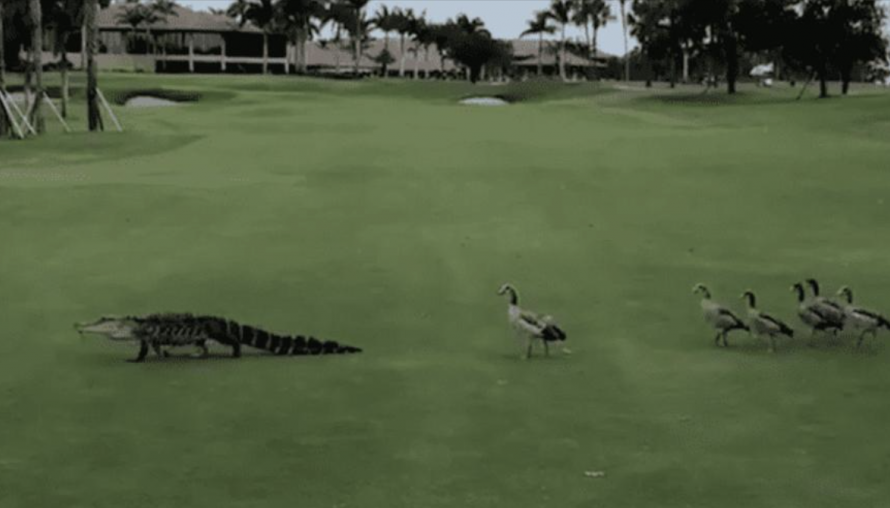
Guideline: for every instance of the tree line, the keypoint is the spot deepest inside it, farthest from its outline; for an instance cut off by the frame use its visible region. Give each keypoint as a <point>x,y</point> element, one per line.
<point>461,39</point>
<point>817,39</point>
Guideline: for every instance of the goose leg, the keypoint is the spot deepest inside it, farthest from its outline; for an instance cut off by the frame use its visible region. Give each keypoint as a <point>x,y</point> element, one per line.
<point>528,348</point>
<point>725,343</point>
<point>546,348</point>
<point>812,341</point>
<point>772,344</point>
<point>717,339</point>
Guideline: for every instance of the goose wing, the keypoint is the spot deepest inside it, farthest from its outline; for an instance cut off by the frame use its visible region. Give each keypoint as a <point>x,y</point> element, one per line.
<point>776,324</point>
<point>868,314</point>
<point>531,319</point>
<point>727,319</point>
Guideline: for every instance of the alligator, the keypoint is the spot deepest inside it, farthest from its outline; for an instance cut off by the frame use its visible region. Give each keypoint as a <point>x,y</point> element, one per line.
<point>156,331</point>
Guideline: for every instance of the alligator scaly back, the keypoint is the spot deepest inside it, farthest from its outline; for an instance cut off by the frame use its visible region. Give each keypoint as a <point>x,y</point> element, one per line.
<point>169,329</point>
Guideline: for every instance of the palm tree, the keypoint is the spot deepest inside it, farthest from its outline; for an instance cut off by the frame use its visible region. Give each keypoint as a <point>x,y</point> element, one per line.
<point>592,12</point>
<point>339,15</point>
<point>36,18</point>
<point>135,15</point>
<point>539,26</point>
<point>162,10</point>
<point>422,37</point>
<point>297,18</point>
<point>358,28</point>
<point>561,12</point>
<point>262,13</point>
<point>385,20</point>
<point>90,22</point>
<point>403,21</point>
<point>64,17</point>
<point>623,4</point>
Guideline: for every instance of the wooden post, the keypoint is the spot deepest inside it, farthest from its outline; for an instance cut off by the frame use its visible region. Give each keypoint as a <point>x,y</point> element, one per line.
<point>110,112</point>
<point>7,111</point>
<point>23,116</point>
<point>52,106</point>
<point>191,52</point>
<point>222,60</point>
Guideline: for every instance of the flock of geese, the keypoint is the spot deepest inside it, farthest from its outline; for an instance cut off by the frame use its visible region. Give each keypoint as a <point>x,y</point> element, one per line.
<point>817,313</point>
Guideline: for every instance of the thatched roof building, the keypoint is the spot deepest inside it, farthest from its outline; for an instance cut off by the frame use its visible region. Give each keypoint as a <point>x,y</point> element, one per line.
<point>200,41</point>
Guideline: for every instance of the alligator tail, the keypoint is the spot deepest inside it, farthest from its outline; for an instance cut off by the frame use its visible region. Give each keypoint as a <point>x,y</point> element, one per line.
<point>238,334</point>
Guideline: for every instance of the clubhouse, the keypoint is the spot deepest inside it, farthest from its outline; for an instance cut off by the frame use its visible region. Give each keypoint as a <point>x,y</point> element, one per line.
<point>208,42</point>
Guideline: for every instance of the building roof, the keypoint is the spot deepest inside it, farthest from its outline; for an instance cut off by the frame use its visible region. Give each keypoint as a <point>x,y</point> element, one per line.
<point>525,52</point>
<point>327,54</point>
<point>185,20</point>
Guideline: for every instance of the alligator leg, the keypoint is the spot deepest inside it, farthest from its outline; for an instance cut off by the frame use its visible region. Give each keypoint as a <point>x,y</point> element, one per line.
<point>143,352</point>
<point>162,353</point>
<point>203,351</point>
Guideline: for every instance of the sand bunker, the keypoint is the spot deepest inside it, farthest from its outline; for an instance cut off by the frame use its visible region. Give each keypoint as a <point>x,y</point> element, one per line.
<point>145,101</point>
<point>485,101</point>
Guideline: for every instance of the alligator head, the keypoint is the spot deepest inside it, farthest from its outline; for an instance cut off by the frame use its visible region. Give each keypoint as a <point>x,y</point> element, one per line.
<point>114,328</point>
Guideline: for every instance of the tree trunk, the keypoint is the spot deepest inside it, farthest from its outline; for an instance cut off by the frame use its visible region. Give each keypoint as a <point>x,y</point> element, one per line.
<point>305,63</point>
<point>540,54</point>
<point>685,65</point>
<point>648,72</point>
<point>37,64</point>
<point>416,60</point>
<point>92,40</point>
<point>823,83</point>
<point>357,41</point>
<point>304,48</point>
<point>3,120</point>
<point>426,61</point>
<point>732,60</point>
<point>562,55</point>
<point>402,56</point>
<point>846,77</point>
<point>338,46</point>
<point>624,31</point>
<point>65,84</point>
<point>385,64</point>
<point>593,46</point>
<point>265,52</point>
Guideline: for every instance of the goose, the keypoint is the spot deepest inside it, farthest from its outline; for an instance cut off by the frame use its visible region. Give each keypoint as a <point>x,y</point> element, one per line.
<point>764,324</point>
<point>719,317</point>
<point>810,313</point>
<point>834,313</point>
<point>530,326</point>
<point>863,320</point>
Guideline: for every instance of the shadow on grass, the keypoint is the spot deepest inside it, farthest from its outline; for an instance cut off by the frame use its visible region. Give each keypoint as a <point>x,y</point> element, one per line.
<point>827,345</point>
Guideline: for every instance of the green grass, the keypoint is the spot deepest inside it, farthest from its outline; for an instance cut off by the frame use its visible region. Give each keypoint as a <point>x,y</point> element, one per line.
<point>386,216</point>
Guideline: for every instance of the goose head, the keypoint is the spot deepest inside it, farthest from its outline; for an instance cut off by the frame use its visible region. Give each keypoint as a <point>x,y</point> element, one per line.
<point>750,298</point>
<point>798,287</point>
<point>701,288</point>
<point>846,293</point>
<point>814,286</point>
<point>509,289</point>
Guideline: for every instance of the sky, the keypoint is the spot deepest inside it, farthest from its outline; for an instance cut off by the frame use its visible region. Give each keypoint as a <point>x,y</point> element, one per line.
<point>505,19</point>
